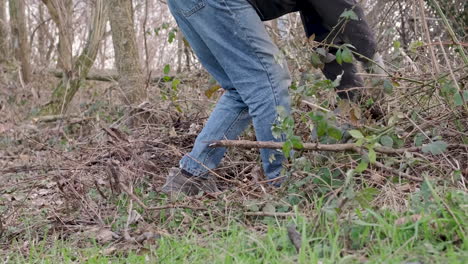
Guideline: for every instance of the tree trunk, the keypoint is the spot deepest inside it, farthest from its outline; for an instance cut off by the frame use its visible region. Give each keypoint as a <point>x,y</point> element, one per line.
<point>19,37</point>
<point>61,12</point>
<point>127,62</point>
<point>41,41</point>
<point>4,46</point>
<point>72,81</point>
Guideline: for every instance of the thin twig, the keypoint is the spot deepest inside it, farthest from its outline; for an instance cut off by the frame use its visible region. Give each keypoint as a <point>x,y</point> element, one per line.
<point>428,37</point>
<point>397,172</point>
<point>450,31</point>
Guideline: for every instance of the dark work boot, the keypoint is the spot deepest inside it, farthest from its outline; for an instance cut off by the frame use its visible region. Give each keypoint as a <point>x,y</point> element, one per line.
<point>179,182</point>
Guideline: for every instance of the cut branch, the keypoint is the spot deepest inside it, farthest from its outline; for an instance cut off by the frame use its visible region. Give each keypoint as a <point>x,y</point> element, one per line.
<point>279,145</point>
<point>317,146</point>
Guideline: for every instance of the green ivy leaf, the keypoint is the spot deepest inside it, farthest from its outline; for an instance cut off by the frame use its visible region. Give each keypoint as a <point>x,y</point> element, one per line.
<point>172,36</point>
<point>322,128</point>
<point>339,57</point>
<point>347,55</point>
<point>269,208</point>
<point>296,142</point>
<point>322,52</point>
<point>359,142</point>
<point>175,84</point>
<point>386,141</point>
<point>435,148</point>
<point>212,90</point>
<point>350,14</point>
<point>277,132</point>
<point>365,196</point>
<point>287,146</point>
<point>356,134</point>
<point>251,205</point>
<point>372,156</point>
<point>167,69</point>
<point>335,133</point>
<point>388,86</point>
<point>415,45</point>
<point>448,89</point>
<point>362,167</point>
<point>419,139</point>
<point>457,98</point>
<point>315,60</point>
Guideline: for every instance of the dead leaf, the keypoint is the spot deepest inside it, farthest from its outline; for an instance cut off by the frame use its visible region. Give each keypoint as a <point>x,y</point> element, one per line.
<point>194,129</point>
<point>5,127</point>
<point>377,178</point>
<point>134,217</point>
<point>39,202</point>
<point>24,157</point>
<point>172,132</point>
<point>404,188</point>
<point>147,236</point>
<point>105,235</point>
<point>257,174</point>
<point>109,251</point>
<point>269,208</point>
<point>44,191</point>
<point>102,235</point>
<point>212,90</point>
<point>295,237</point>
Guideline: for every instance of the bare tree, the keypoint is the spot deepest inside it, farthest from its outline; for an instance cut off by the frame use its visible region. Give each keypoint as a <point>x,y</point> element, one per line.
<point>61,12</point>
<point>19,37</point>
<point>4,49</point>
<point>131,79</point>
<point>72,81</point>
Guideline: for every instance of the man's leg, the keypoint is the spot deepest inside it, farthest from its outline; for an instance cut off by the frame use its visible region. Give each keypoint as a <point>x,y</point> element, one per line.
<point>230,116</point>
<point>234,34</point>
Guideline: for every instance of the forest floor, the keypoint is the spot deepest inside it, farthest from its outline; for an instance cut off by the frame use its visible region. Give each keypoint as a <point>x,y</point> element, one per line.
<point>86,187</point>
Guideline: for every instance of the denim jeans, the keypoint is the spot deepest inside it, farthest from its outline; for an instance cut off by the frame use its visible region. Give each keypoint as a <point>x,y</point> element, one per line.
<point>232,44</point>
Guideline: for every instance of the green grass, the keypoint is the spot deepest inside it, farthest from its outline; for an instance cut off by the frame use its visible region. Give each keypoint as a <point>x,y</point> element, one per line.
<point>434,232</point>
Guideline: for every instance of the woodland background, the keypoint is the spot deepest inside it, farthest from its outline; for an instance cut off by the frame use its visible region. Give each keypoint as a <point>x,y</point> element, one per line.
<point>99,98</point>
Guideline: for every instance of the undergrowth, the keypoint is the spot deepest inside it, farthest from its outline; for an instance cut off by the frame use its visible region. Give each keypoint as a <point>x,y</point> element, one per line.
<point>432,231</point>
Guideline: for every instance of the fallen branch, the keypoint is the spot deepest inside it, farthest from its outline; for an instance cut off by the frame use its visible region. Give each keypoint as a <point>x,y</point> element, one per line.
<point>318,146</point>
<point>74,119</point>
<point>279,145</point>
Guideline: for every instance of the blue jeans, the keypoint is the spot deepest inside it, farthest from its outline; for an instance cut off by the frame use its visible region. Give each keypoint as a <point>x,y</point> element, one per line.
<point>232,44</point>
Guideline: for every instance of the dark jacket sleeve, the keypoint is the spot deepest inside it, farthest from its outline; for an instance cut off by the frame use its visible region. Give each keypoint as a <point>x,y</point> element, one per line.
<point>271,9</point>
<point>320,17</point>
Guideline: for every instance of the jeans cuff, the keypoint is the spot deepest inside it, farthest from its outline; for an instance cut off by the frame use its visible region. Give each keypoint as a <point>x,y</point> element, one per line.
<point>193,167</point>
